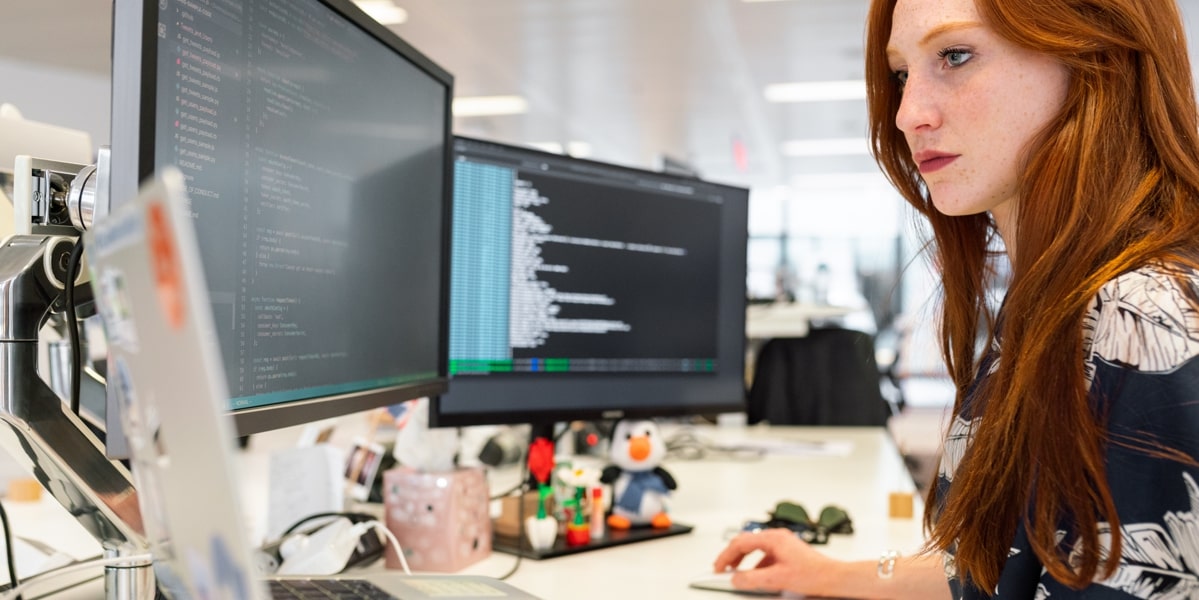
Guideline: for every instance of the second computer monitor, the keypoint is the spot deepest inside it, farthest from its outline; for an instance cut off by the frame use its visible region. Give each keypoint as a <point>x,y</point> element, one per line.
<point>315,144</point>
<point>584,290</point>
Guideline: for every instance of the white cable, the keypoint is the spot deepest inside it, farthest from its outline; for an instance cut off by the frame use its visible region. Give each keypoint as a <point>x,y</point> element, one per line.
<point>394,542</point>
<point>83,566</point>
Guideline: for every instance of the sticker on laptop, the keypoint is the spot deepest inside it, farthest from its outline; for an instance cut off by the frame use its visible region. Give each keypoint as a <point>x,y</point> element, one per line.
<point>116,310</point>
<point>218,575</point>
<point>168,269</point>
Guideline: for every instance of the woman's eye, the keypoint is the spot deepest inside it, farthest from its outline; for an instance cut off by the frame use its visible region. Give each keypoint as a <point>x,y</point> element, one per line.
<point>956,57</point>
<point>901,77</point>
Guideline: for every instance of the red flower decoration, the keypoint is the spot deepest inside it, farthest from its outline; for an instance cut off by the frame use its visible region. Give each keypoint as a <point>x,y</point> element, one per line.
<point>541,459</point>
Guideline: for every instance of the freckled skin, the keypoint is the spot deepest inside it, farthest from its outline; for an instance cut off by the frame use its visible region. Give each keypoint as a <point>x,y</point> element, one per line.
<point>983,103</point>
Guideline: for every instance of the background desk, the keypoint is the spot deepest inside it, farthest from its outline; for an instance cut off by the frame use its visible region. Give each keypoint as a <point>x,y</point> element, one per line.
<point>715,495</point>
<point>764,321</point>
<point>781,320</point>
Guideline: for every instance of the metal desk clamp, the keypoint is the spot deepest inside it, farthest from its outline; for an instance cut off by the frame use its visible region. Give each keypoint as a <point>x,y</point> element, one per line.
<point>52,443</point>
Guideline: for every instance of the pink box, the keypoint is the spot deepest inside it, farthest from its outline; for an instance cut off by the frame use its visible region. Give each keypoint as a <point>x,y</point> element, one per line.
<point>441,519</point>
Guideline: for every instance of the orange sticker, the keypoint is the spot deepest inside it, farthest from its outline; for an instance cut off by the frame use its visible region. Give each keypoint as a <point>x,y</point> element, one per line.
<point>168,275</point>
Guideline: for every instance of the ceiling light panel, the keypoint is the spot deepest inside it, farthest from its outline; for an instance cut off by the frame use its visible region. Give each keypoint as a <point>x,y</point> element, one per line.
<point>816,91</point>
<point>480,106</point>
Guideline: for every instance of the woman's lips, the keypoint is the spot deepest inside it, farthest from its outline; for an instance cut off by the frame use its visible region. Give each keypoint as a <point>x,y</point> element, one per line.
<point>936,163</point>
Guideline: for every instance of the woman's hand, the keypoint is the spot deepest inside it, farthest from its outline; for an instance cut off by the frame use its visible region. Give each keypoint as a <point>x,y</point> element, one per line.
<point>788,564</point>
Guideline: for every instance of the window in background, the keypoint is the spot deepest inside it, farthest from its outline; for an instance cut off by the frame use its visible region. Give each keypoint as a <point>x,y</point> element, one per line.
<point>830,238</point>
<point>849,239</point>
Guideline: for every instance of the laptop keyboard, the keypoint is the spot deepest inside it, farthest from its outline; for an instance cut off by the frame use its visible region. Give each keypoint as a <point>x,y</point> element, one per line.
<point>322,589</point>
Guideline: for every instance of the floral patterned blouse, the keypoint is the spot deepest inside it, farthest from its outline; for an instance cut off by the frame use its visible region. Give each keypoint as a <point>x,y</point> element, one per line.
<point>1141,337</point>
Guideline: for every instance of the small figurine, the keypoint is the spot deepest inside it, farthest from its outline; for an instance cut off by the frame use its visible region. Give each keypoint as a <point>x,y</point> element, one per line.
<point>578,527</point>
<point>639,485</point>
<point>541,528</point>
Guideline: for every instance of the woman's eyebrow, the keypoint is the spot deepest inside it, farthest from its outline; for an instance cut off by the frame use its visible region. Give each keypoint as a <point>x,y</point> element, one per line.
<point>938,30</point>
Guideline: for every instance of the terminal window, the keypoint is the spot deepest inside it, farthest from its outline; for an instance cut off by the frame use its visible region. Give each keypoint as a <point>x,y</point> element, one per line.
<point>568,266</point>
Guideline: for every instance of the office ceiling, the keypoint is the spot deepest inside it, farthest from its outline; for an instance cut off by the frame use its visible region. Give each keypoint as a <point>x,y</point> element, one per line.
<point>634,80</point>
<point>638,79</point>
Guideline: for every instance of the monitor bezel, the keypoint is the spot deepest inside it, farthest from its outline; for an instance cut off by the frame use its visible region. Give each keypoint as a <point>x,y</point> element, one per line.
<point>621,382</point>
<point>134,76</point>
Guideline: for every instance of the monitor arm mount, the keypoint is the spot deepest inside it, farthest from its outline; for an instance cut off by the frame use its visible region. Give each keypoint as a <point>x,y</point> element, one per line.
<point>50,441</point>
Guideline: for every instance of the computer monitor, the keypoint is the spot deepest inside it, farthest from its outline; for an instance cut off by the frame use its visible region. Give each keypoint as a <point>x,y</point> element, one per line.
<point>316,148</point>
<point>585,290</point>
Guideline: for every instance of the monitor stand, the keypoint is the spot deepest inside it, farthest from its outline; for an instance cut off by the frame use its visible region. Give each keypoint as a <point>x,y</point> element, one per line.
<point>52,443</point>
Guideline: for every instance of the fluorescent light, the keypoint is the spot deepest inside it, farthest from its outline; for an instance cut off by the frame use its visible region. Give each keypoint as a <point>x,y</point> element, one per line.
<point>579,149</point>
<point>816,91</point>
<point>478,106</point>
<point>383,11</point>
<point>825,147</point>
<point>574,148</point>
<point>553,147</point>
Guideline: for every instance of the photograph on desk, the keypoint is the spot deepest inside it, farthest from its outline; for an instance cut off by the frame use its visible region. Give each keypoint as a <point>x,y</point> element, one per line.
<point>362,467</point>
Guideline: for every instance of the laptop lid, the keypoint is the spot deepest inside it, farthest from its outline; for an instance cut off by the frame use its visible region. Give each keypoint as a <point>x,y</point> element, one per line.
<point>152,297</point>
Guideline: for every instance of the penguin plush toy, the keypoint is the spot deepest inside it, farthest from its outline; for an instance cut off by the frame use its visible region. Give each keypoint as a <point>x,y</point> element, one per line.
<point>639,484</point>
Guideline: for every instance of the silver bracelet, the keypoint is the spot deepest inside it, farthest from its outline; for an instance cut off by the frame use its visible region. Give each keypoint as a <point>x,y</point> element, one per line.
<point>886,564</point>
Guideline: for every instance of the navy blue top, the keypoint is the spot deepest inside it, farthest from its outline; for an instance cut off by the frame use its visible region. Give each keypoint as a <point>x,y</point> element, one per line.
<point>1141,337</point>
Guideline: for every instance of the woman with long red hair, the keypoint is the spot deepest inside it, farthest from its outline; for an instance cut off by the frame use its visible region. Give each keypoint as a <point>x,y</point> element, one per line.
<point>1063,132</point>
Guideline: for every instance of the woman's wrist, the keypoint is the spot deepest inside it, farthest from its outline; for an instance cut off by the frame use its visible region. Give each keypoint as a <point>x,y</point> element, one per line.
<point>916,577</point>
<point>886,564</point>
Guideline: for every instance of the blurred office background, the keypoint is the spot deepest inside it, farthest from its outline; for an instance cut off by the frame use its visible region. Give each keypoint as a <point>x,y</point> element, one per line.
<point>766,94</point>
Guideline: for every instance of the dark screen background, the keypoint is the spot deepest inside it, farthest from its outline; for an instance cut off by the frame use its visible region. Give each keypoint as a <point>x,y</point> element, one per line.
<point>668,301</point>
<point>315,158</point>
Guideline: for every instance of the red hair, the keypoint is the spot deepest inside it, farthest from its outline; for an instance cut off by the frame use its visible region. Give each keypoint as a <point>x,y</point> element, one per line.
<point>1111,184</point>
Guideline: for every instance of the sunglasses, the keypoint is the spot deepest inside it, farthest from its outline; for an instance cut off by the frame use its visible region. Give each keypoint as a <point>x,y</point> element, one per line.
<point>794,517</point>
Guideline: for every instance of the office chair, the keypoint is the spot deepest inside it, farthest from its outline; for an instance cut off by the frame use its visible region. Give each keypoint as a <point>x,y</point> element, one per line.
<point>829,377</point>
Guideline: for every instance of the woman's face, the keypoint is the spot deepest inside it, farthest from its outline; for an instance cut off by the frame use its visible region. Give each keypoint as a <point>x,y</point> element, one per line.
<point>972,102</point>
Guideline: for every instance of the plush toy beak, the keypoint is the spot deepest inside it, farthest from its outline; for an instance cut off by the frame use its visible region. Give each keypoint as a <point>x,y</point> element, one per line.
<point>639,448</point>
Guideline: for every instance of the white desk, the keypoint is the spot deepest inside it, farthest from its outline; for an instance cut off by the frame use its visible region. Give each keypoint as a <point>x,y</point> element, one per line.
<point>717,495</point>
<point>714,496</point>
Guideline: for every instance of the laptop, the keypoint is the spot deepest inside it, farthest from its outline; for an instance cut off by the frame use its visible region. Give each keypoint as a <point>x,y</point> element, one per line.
<point>150,292</point>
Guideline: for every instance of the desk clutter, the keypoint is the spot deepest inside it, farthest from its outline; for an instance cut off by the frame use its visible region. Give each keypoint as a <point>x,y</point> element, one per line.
<point>901,505</point>
<point>578,506</point>
<point>440,519</point>
<point>440,512</point>
<point>566,504</point>
<point>24,490</point>
<point>716,496</point>
<point>437,510</point>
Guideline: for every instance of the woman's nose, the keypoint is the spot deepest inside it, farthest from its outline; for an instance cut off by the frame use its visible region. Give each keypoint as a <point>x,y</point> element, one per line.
<point>917,107</point>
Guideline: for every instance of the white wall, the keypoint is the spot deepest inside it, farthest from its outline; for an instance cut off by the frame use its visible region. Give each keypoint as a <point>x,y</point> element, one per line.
<point>66,98</point>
